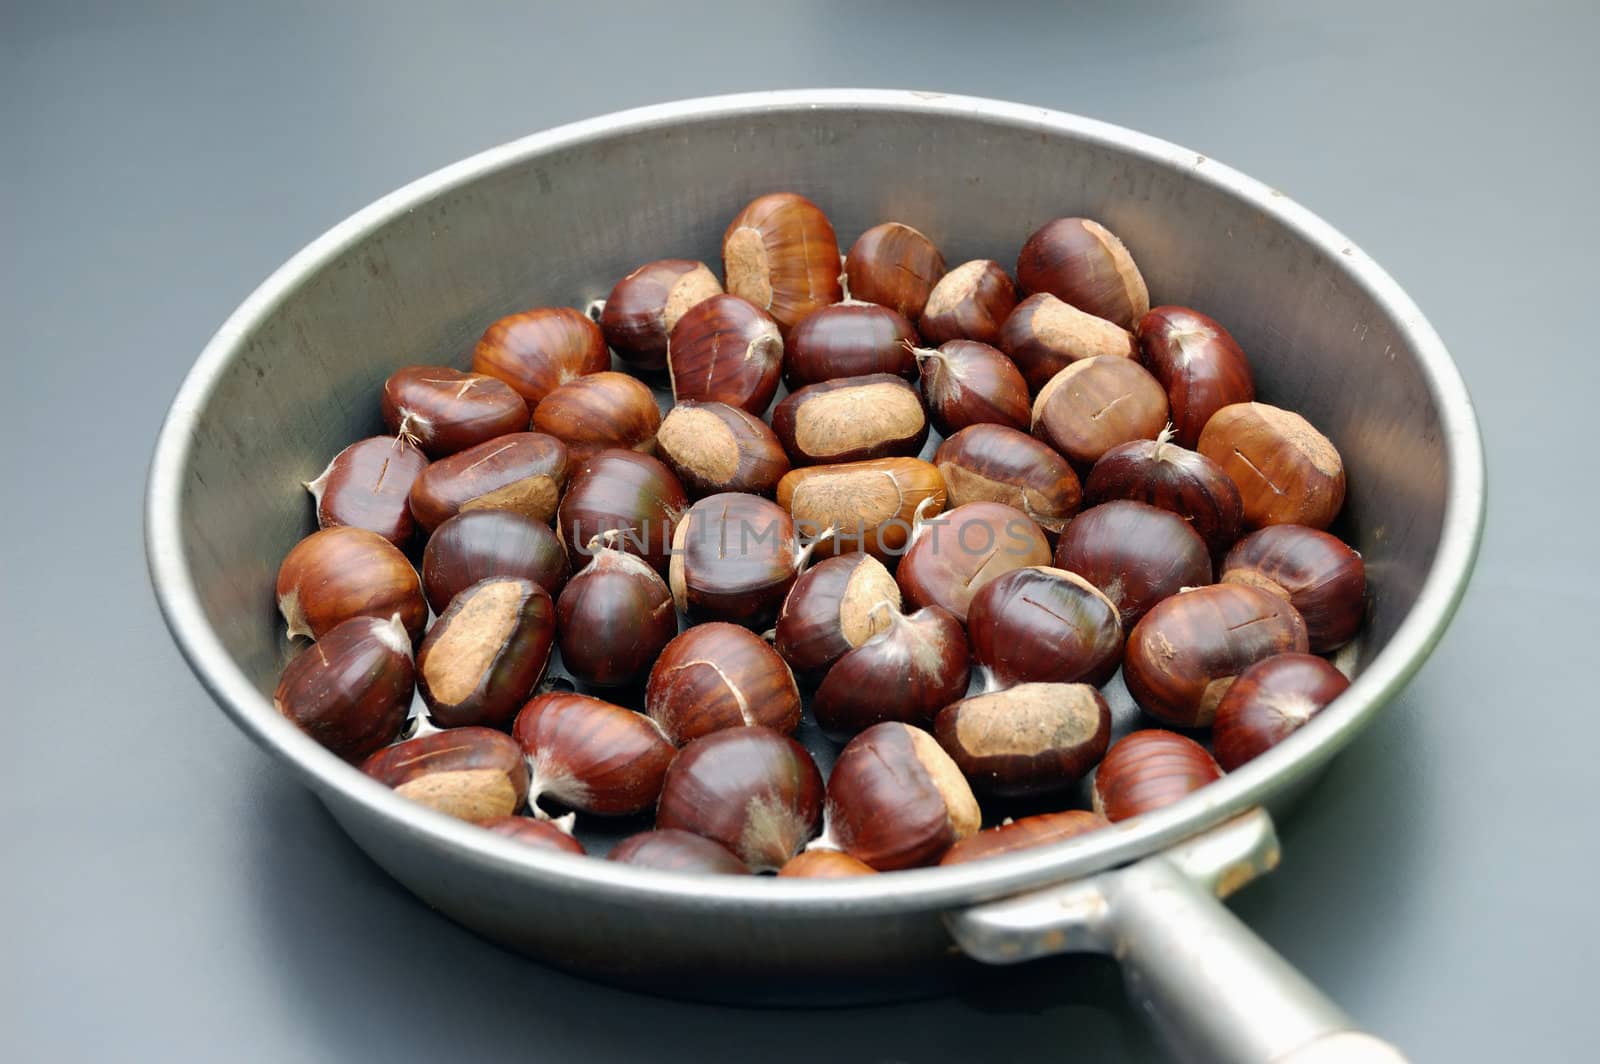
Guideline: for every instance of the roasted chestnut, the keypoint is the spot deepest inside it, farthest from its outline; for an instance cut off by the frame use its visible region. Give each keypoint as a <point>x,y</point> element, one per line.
<point>1197,362</point>
<point>1093,405</point>
<point>1171,478</point>
<point>598,411</point>
<point>734,558</point>
<point>970,302</point>
<point>590,755</point>
<point>478,544</point>
<point>1269,702</point>
<point>539,350</point>
<point>825,864</point>
<point>1044,336</point>
<point>523,472</point>
<point>1045,625</point>
<point>614,617</point>
<point>366,486</point>
<point>909,671</point>
<point>993,463</point>
<point>472,774</point>
<point>351,691</point>
<point>644,306</point>
<point>895,265</point>
<point>724,350</point>
<point>865,506</point>
<point>1287,472</point>
<point>832,608</point>
<point>671,850</point>
<point>1321,576</point>
<point>1147,770</point>
<point>753,790</point>
<point>969,383</point>
<point>849,339</point>
<point>1184,654</point>
<point>483,657</point>
<point>715,447</point>
<point>1027,833</point>
<point>1083,263</point>
<point>780,253</point>
<point>873,416</point>
<point>443,410</point>
<point>340,573</point>
<point>717,676</point>
<point>1035,738</point>
<point>896,800</point>
<point>1135,553</point>
<point>540,834</point>
<point>956,553</point>
<point>627,492</point>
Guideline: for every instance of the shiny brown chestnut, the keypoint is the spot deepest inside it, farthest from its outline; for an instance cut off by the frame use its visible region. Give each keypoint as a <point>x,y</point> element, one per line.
<point>671,850</point>
<point>340,573</point>
<point>894,265</point>
<point>908,672</point>
<point>1200,365</point>
<point>851,420</point>
<point>724,350</point>
<point>1044,336</point>
<point>734,558</point>
<point>956,553</point>
<point>970,302</point>
<point>1287,472</point>
<point>833,608</point>
<point>472,774</point>
<point>1183,656</point>
<point>351,691</point>
<point>1027,833</point>
<point>849,339</point>
<point>478,544</point>
<point>627,492</point>
<point>482,658</point>
<point>868,506</point>
<point>1322,577</point>
<point>717,676</point>
<point>780,253</point>
<point>969,383</point>
<point>523,472</point>
<point>753,790</point>
<point>613,618</point>
<point>715,447</point>
<point>825,864</point>
<point>993,463</point>
<point>1046,625</point>
<point>1270,701</point>
<point>367,485</point>
<point>1096,404</point>
<point>539,350</point>
<point>1035,738</point>
<point>1135,553</point>
<point>1171,478</point>
<point>443,410</point>
<point>642,309</point>
<point>540,834</point>
<point>591,755</point>
<point>1148,770</point>
<point>896,800</point>
<point>1082,262</point>
<point>600,411</point>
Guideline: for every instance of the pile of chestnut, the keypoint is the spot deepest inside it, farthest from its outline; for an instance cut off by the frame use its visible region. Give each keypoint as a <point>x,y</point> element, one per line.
<point>1106,494</point>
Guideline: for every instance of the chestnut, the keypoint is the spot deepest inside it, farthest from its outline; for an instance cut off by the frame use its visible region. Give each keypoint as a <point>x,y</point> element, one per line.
<point>644,306</point>
<point>965,382</point>
<point>908,672</point>
<point>1091,406</point>
<point>443,410</point>
<point>1039,624</point>
<point>1287,472</point>
<point>724,350</point>
<point>540,834</point>
<point>539,350</point>
<point>523,472</point>
<point>351,690</point>
<point>970,302</point>
<point>1044,336</point>
<point>613,618</point>
<point>715,447</point>
<point>1184,654</point>
<point>825,864</point>
<point>671,850</point>
<point>993,463</point>
<point>865,506</point>
<point>1172,478</point>
<point>366,486</point>
<point>849,339</point>
<point>477,544</point>
<point>734,558</point>
<point>631,493</point>
<point>780,253</point>
<point>1083,263</point>
<point>1135,553</point>
<point>1197,362</point>
<point>894,265</point>
<point>598,411</point>
<point>1035,738</point>
<point>1147,770</point>
<point>484,655</point>
<point>1013,836</point>
<point>717,676</point>
<point>832,608</point>
<point>340,573</point>
<point>955,554</point>
<point>591,755</point>
<point>877,415</point>
<point>472,774</point>
<point>753,790</point>
<point>1322,577</point>
<point>1269,702</point>
<point>896,800</point>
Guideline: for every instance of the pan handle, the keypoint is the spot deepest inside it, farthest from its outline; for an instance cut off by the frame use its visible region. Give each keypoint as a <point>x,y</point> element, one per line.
<point>1214,989</point>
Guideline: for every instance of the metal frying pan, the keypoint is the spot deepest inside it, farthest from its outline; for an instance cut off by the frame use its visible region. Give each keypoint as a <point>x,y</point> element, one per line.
<point>554,219</point>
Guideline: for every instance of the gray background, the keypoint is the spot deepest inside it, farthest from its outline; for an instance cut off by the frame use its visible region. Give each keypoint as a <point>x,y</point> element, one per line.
<point>169,893</point>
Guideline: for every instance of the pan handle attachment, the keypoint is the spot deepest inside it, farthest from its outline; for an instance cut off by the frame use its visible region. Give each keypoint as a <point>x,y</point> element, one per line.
<point>1214,989</point>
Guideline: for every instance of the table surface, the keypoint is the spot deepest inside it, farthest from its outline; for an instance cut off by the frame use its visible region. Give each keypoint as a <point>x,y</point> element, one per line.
<point>173,894</point>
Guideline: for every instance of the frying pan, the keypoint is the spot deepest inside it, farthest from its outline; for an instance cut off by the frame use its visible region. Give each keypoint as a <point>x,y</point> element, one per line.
<point>554,219</point>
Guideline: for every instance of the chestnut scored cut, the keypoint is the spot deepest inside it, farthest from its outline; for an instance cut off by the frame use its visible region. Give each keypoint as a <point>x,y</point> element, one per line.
<point>614,618</point>
<point>1149,770</point>
<point>482,658</point>
<point>1040,624</point>
<point>896,800</point>
<point>734,558</point>
<point>717,676</point>
<point>780,253</point>
<point>714,447</point>
<point>478,544</point>
<point>1027,833</point>
<point>351,690</point>
<point>600,411</point>
<point>971,302</point>
<point>993,463</point>
<point>956,553</point>
<point>1044,336</point>
<point>1322,577</point>
<point>1270,701</point>
<point>724,350</point>
<point>339,573</point>
<point>1135,553</point>
<point>473,774</point>
<point>643,307</point>
<point>523,472</point>
<point>907,672</point>
<point>869,506</point>
<point>1197,362</point>
<point>1167,476</point>
<point>969,383</point>
<point>833,608</point>
<point>894,265</point>
<point>1082,262</point>
<point>1093,405</point>
<point>442,410</point>
<point>591,755</point>
<point>366,486</point>
<point>849,339</point>
<point>538,350</point>
<point>850,420</point>
<point>1287,472</point>
<point>672,850</point>
<point>1035,738</point>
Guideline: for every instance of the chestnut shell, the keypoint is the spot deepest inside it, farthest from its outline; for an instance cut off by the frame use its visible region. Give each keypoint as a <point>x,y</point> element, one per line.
<point>1045,625</point>
<point>1270,701</point>
<point>1171,478</point>
<point>1321,576</point>
<point>478,544</point>
<point>848,340</point>
<point>1136,554</point>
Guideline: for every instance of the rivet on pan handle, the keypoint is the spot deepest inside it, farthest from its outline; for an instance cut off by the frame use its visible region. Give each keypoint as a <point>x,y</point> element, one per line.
<point>1214,989</point>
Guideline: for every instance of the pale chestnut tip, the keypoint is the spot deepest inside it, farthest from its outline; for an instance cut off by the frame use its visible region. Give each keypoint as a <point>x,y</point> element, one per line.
<point>392,634</point>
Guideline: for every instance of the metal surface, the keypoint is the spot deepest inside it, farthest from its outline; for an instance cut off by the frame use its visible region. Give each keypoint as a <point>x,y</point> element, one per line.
<point>414,278</point>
